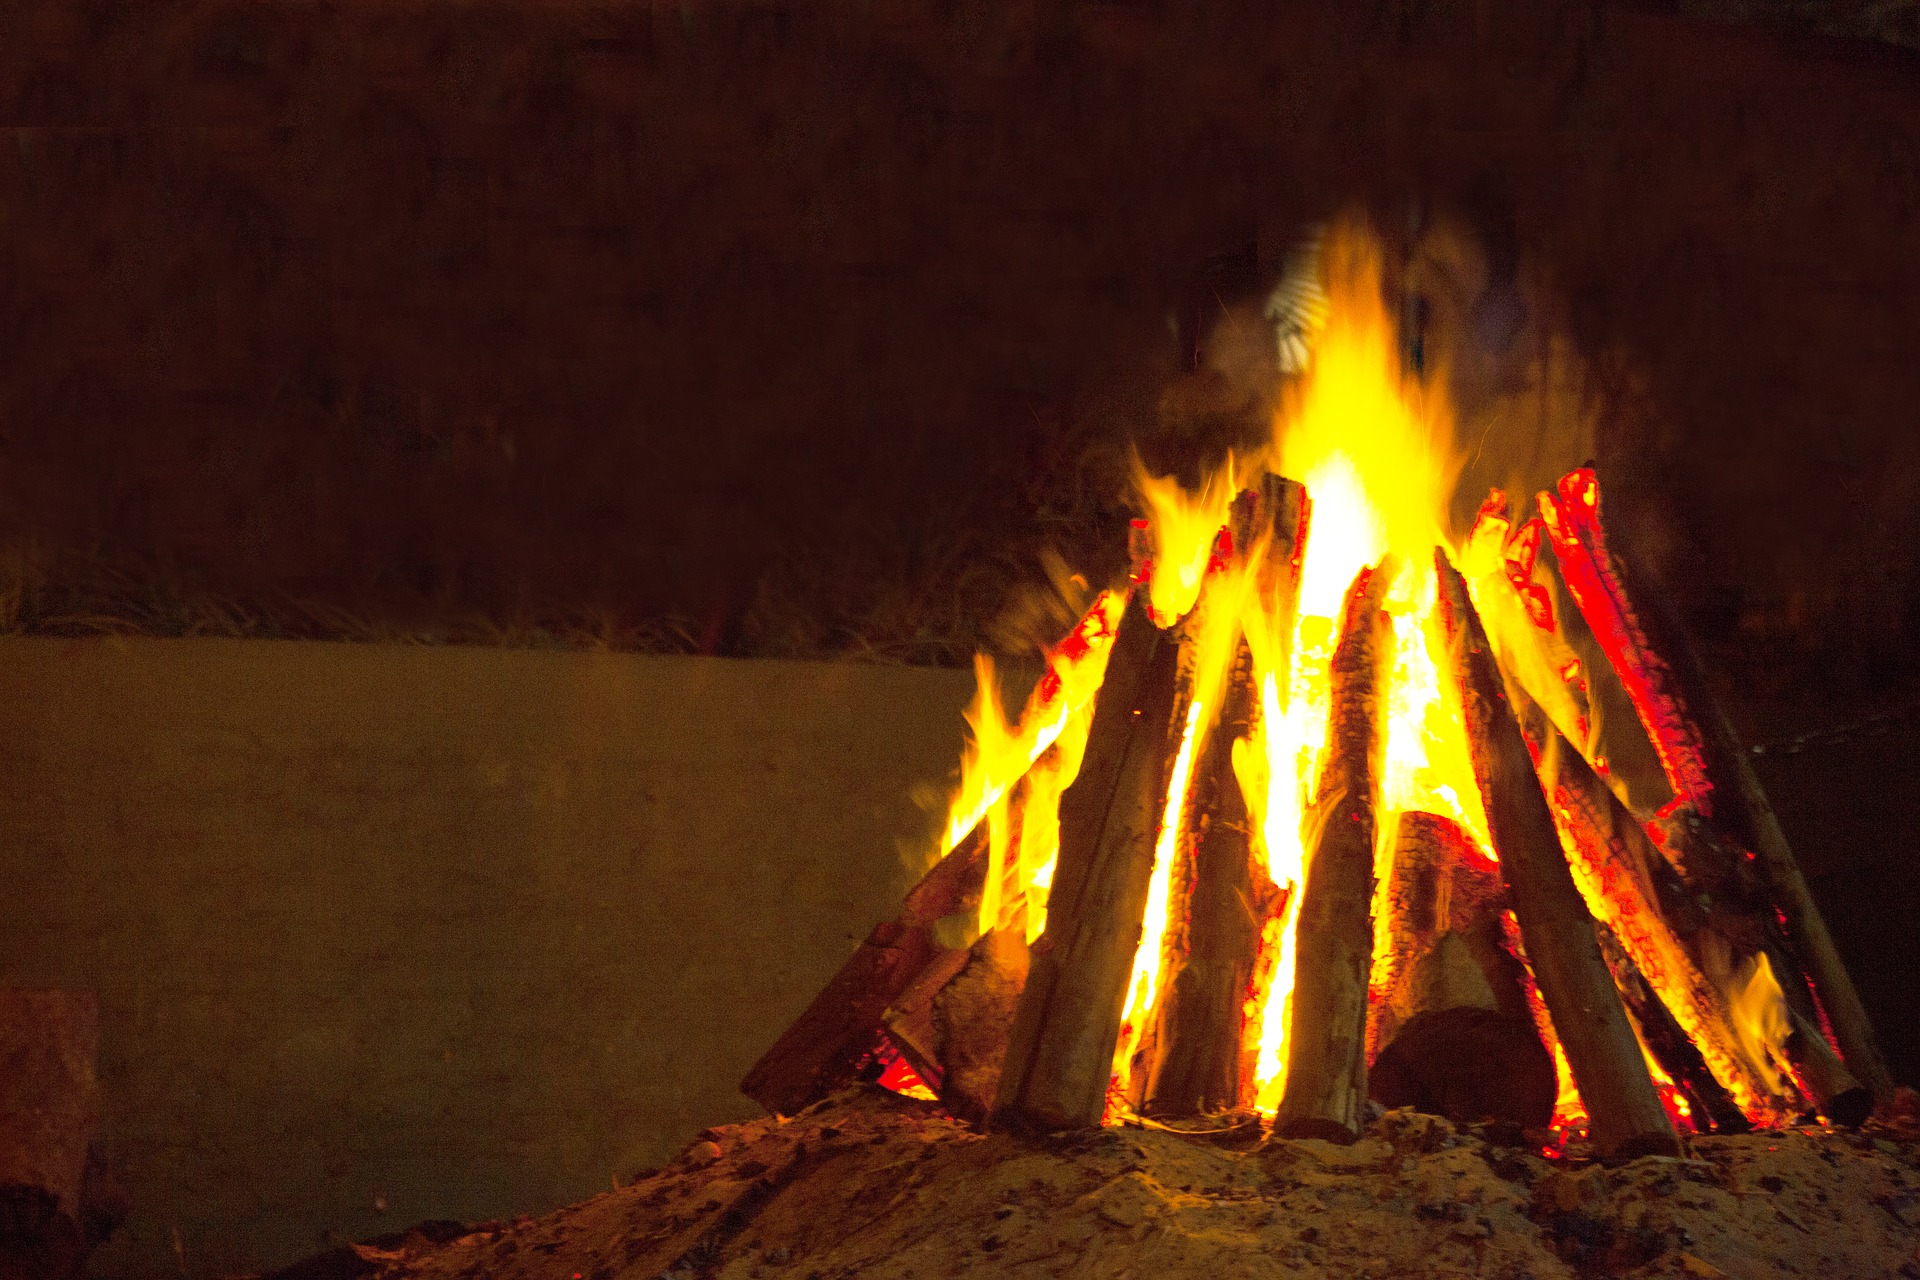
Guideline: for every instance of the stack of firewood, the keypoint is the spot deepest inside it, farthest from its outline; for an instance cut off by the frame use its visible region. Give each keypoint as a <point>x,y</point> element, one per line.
<point>1485,964</point>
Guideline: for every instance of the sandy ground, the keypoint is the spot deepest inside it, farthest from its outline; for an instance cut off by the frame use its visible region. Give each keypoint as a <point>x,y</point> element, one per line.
<point>870,1184</point>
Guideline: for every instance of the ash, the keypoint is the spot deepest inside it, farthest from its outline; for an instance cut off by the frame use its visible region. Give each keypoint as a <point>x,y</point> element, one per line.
<point>868,1183</point>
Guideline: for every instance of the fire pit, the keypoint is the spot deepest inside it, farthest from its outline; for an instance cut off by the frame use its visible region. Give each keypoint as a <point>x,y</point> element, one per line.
<point>1320,805</point>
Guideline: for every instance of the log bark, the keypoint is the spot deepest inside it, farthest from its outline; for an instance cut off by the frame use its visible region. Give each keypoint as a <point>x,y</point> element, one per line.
<point>1193,1055</point>
<point>972,1018</point>
<point>1712,1107</point>
<point>1453,1030</point>
<point>1200,1017</point>
<point>1624,1110</point>
<point>822,1050</point>
<point>1326,1088</point>
<point>1059,1057</point>
<point>1837,1094</point>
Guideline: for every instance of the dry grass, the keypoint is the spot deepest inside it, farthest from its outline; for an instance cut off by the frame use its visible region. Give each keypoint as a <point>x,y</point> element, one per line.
<point>991,578</point>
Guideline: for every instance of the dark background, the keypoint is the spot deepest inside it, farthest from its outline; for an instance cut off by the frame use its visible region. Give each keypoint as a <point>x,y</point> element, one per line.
<point>803,331</point>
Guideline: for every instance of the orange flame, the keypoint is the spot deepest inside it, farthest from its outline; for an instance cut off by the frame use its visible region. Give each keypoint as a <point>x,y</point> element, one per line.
<point>998,755</point>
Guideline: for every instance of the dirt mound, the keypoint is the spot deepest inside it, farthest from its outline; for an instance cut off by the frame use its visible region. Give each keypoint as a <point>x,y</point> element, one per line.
<point>871,1184</point>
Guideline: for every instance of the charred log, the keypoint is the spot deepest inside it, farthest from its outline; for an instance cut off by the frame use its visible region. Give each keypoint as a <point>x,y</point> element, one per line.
<point>1614,855</point>
<point>972,1017</point>
<point>1192,1058</point>
<point>1197,1023</point>
<point>1837,1094</point>
<point>1326,1087</point>
<point>1744,808</point>
<point>1625,1111</point>
<point>1066,1026</point>
<point>1450,1020</point>
<point>909,1020</point>
<point>823,1048</point>
<point>1711,1106</point>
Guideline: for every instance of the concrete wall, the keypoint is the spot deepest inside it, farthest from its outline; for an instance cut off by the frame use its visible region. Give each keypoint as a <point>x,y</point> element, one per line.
<point>465,932</point>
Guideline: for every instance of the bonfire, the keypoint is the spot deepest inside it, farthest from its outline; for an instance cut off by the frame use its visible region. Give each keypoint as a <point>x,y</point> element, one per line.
<point>1319,806</point>
<point>1346,898</point>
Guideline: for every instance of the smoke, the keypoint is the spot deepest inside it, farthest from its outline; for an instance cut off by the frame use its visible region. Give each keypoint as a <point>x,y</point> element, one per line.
<point>1526,405</point>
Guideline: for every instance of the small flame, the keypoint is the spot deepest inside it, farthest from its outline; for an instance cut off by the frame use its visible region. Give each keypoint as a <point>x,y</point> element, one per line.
<point>1182,529</point>
<point>898,1075</point>
<point>1760,1020</point>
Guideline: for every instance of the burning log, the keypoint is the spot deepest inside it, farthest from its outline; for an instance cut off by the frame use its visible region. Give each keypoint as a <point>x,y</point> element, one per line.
<point>1625,1111</point>
<point>909,1019</point>
<point>1618,862</point>
<point>1060,1053</point>
<point>823,1049</point>
<point>1840,1097</point>
<point>1195,1066</point>
<point>1712,1107</point>
<point>1666,933</point>
<point>1744,809</point>
<point>971,1018</point>
<point>1194,1062</point>
<point>1688,909</point>
<point>1455,1032</point>
<point>1715,768</point>
<point>1326,1056</point>
<point>1806,928</point>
